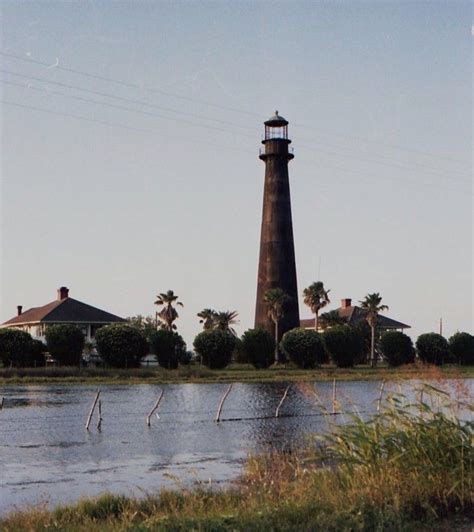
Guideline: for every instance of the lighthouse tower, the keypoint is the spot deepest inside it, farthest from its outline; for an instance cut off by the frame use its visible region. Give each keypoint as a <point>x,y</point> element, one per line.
<point>277,267</point>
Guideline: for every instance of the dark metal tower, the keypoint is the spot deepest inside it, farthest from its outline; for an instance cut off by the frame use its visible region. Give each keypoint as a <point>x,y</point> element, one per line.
<point>277,267</point>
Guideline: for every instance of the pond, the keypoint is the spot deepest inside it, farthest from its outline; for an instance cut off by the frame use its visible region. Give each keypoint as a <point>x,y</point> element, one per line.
<point>47,456</point>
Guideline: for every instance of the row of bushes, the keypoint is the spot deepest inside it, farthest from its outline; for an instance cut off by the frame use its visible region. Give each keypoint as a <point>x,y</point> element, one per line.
<point>124,346</point>
<point>344,346</point>
<point>19,349</point>
<point>119,346</point>
<point>432,348</point>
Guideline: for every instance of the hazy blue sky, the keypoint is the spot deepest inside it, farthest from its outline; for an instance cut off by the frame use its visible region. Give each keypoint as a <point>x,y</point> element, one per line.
<point>159,186</point>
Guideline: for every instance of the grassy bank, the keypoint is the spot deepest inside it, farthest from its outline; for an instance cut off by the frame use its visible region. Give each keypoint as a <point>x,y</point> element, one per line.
<point>410,468</point>
<point>234,373</point>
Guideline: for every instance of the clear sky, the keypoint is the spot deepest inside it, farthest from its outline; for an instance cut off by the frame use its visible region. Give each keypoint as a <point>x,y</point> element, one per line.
<point>158,184</point>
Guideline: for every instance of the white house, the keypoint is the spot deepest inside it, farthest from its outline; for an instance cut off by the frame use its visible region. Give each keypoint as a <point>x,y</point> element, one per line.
<point>64,310</point>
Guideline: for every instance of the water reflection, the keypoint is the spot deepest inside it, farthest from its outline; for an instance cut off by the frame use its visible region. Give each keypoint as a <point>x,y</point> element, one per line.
<point>46,454</point>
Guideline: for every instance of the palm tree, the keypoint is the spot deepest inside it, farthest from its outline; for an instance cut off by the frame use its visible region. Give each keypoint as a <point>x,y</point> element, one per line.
<point>224,319</point>
<point>208,317</point>
<point>371,304</point>
<point>168,313</point>
<point>331,319</point>
<point>316,297</point>
<point>276,298</point>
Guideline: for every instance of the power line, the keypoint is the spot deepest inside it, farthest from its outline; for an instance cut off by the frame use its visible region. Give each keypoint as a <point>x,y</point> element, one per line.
<point>121,98</point>
<point>211,104</point>
<point>115,124</point>
<point>390,164</point>
<point>123,108</point>
<point>154,131</point>
<point>382,157</point>
<point>126,84</point>
<point>391,179</point>
<point>194,124</point>
<point>391,146</point>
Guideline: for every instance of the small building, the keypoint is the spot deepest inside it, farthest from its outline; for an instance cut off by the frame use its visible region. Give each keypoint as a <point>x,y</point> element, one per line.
<point>353,315</point>
<point>64,310</point>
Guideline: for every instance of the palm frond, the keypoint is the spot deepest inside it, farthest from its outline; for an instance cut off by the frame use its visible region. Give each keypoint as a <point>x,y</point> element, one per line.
<point>224,319</point>
<point>316,296</point>
<point>207,316</point>
<point>276,299</point>
<point>168,313</point>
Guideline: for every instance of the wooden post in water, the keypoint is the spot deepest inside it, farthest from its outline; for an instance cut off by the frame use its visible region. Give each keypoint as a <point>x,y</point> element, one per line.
<point>155,407</point>
<point>277,413</point>
<point>89,417</point>
<point>1,403</point>
<point>221,404</point>
<point>380,396</point>
<point>99,415</point>
<point>334,396</point>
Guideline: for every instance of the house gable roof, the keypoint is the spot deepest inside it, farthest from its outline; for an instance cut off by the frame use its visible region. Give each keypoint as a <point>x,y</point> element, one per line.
<point>67,310</point>
<point>354,315</point>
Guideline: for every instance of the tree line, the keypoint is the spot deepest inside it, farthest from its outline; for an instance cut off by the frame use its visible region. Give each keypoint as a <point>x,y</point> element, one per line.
<point>125,345</point>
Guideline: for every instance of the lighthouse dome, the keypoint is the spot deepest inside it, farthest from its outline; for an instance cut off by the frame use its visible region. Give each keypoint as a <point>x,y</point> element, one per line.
<point>276,121</point>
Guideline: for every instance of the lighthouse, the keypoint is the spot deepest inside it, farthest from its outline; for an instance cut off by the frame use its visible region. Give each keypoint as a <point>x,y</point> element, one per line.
<point>277,266</point>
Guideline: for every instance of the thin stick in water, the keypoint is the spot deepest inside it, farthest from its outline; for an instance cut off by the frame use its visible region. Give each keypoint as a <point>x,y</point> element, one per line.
<point>99,415</point>
<point>221,404</point>
<point>380,396</point>
<point>277,413</point>
<point>334,396</point>
<point>155,407</point>
<point>89,417</point>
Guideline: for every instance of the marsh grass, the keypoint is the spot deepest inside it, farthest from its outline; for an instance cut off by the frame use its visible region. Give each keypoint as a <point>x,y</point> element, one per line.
<point>233,373</point>
<point>408,468</point>
<point>75,374</point>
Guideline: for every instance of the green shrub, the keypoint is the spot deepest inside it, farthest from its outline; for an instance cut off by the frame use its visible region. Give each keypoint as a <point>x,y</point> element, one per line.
<point>363,328</point>
<point>65,344</point>
<point>215,348</point>
<point>344,345</point>
<point>304,347</point>
<point>185,357</point>
<point>397,348</point>
<point>38,354</point>
<point>258,348</point>
<point>146,325</point>
<point>461,345</point>
<point>15,347</point>
<point>121,346</point>
<point>169,347</point>
<point>239,356</point>
<point>432,348</point>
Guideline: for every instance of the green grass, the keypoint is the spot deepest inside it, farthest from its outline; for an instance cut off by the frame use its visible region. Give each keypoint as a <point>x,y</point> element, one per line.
<point>234,373</point>
<point>409,468</point>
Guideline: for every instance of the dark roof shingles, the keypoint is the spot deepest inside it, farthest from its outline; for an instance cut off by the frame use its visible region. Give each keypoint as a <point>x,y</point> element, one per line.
<point>384,322</point>
<point>64,311</point>
<point>34,314</point>
<point>354,315</point>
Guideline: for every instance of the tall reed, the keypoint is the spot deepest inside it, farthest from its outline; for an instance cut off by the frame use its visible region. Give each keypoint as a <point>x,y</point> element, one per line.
<point>410,467</point>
